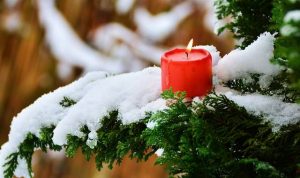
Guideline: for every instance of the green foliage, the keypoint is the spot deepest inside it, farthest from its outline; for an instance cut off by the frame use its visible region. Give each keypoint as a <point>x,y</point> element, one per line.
<point>217,138</point>
<point>278,86</point>
<point>250,18</point>
<point>67,102</point>
<point>115,140</point>
<point>248,137</point>
<point>213,138</point>
<point>169,94</point>
<point>26,150</point>
<point>27,147</point>
<point>287,46</point>
<point>11,165</point>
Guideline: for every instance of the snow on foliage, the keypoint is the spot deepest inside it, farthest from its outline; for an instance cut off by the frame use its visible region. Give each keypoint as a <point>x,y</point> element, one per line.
<point>45,111</point>
<point>288,29</point>
<point>131,94</point>
<point>253,59</point>
<point>158,27</point>
<point>271,107</point>
<point>293,15</point>
<point>135,94</point>
<point>67,46</point>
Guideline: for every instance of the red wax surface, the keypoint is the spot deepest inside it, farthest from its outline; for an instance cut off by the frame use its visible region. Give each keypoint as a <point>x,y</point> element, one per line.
<point>192,74</point>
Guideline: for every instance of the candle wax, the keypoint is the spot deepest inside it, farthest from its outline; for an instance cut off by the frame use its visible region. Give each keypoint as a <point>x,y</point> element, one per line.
<point>190,73</point>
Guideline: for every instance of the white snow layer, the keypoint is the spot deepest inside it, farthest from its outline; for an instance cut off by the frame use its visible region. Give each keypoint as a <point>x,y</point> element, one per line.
<point>156,28</point>
<point>215,54</point>
<point>288,29</point>
<point>159,152</point>
<point>271,107</point>
<point>67,46</point>
<point>132,94</point>
<point>253,59</point>
<point>45,111</point>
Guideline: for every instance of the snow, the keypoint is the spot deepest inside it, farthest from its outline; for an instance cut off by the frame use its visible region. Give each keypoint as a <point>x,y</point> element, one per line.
<point>21,170</point>
<point>131,94</point>
<point>123,6</point>
<point>45,111</point>
<point>136,114</point>
<point>159,152</point>
<point>156,28</point>
<point>67,47</point>
<point>271,107</point>
<point>288,29</point>
<point>215,54</point>
<point>293,15</point>
<point>112,35</point>
<point>253,59</point>
<point>92,139</point>
<point>151,124</point>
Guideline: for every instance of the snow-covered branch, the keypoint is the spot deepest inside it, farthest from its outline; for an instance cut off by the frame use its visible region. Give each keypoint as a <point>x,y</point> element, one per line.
<point>67,47</point>
<point>111,35</point>
<point>156,28</point>
<point>95,95</point>
<point>271,107</point>
<point>253,59</point>
<point>135,94</point>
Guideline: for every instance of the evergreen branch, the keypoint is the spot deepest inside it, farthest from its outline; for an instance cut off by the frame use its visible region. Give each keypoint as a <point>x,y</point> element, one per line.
<point>11,165</point>
<point>250,18</point>
<point>279,86</point>
<point>67,102</point>
<point>214,138</point>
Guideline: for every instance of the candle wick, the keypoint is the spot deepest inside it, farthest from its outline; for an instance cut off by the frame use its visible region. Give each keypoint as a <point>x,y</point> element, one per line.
<point>187,55</point>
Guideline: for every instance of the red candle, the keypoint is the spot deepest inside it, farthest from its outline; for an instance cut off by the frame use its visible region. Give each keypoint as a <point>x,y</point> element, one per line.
<point>188,70</point>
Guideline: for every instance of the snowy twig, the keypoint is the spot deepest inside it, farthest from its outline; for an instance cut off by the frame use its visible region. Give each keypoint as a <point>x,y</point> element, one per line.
<point>68,47</point>
<point>156,28</point>
<point>112,34</point>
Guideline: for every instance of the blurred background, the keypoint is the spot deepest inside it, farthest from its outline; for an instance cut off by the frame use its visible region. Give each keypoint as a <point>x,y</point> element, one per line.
<point>45,44</point>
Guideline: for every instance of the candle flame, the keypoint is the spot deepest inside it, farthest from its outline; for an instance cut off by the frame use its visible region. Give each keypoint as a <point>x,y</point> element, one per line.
<point>190,46</point>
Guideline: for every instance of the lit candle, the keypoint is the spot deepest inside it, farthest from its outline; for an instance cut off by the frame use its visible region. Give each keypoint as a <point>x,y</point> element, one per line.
<point>188,70</point>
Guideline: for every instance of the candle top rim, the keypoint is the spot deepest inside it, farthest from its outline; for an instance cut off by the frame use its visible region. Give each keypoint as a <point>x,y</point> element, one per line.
<point>201,54</point>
